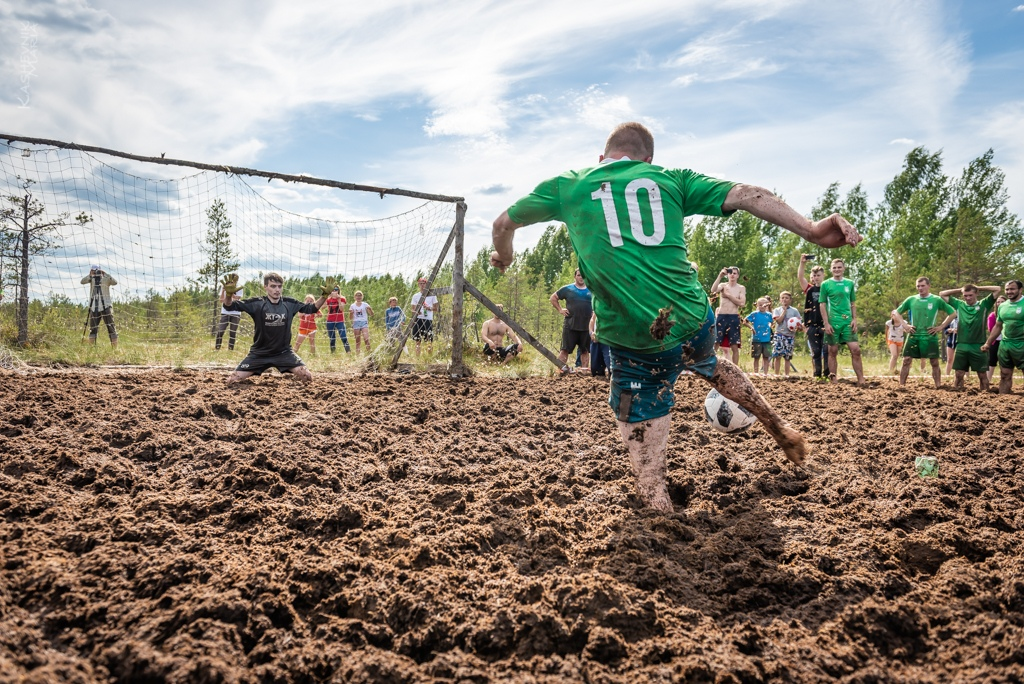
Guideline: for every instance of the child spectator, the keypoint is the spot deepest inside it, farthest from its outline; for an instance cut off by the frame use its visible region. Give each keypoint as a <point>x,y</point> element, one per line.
<point>784,337</point>
<point>361,312</point>
<point>760,322</point>
<point>894,339</point>
<point>307,328</point>
<point>394,317</point>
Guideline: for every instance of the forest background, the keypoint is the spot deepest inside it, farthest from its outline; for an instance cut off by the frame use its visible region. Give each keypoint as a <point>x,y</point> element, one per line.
<point>953,228</point>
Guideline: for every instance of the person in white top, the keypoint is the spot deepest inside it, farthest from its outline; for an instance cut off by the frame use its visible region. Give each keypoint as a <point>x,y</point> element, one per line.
<point>228,321</point>
<point>423,327</point>
<point>361,312</point>
<point>894,339</point>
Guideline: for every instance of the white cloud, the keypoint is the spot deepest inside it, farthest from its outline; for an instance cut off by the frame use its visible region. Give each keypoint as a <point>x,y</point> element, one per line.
<point>901,141</point>
<point>1018,8</point>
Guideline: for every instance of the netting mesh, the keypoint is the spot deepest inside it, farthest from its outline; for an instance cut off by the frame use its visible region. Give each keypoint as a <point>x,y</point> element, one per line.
<point>153,236</point>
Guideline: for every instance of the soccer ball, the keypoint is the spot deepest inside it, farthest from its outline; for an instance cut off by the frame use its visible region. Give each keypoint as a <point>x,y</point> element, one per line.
<point>793,323</point>
<point>725,415</point>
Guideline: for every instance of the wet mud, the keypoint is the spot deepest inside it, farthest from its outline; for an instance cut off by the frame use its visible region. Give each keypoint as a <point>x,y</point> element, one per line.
<point>159,527</point>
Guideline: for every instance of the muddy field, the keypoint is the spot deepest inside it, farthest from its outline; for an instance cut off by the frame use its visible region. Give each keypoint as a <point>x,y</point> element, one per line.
<point>158,527</point>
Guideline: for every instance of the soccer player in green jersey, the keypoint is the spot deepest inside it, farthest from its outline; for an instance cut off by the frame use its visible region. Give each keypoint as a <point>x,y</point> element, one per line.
<point>972,315</point>
<point>1010,324</point>
<point>923,342</point>
<point>625,221</point>
<point>837,301</point>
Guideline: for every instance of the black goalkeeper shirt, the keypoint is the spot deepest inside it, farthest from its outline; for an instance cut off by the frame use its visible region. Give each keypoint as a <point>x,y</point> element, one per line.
<point>273,322</point>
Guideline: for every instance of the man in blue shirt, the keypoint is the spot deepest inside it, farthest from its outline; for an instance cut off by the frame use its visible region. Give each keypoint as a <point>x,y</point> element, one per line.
<point>576,327</point>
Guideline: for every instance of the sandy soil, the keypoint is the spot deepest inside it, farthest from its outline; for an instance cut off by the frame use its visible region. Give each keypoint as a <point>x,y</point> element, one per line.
<point>158,527</point>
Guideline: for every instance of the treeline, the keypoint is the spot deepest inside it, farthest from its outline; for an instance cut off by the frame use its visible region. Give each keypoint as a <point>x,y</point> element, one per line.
<point>954,229</point>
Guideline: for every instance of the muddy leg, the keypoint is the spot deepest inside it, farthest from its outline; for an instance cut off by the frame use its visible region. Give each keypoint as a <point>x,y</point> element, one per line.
<point>647,443</point>
<point>733,384</point>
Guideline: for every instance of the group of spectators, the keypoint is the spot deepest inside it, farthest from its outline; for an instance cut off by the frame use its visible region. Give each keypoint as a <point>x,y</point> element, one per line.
<point>980,333</point>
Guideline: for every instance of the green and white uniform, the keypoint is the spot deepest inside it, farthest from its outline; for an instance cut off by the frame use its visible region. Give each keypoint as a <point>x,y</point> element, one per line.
<point>839,296</point>
<point>923,310</point>
<point>1011,349</point>
<point>972,331</point>
<point>625,221</point>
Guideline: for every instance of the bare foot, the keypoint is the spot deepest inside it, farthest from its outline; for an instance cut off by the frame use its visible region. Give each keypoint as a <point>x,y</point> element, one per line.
<point>792,444</point>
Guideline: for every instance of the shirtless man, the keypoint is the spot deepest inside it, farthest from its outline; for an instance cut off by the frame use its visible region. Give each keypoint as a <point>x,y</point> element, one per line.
<point>494,331</point>
<point>733,297</point>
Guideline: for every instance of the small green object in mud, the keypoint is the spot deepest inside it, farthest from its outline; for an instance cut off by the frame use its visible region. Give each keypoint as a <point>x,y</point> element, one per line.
<point>926,466</point>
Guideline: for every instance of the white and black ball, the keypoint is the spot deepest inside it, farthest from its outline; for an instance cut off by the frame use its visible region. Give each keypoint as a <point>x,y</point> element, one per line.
<point>725,415</point>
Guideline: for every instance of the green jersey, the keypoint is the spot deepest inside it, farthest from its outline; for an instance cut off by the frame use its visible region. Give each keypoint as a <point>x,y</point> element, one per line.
<point>625,221</point>
<point>972,319</point>
<point>923,311</point>
<point>1011,315</point>
<point>838,296</point>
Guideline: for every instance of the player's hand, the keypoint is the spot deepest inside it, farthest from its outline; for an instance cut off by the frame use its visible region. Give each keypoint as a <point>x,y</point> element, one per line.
<point>984,347</point>
<point>829,330</point>
<point>833,231</point>
<point>935,330</point>
<point>909,328</point>
<point>230,283</point>
<point>565,313</point>
<point>853,325</point>
<point>328,287</point>
<point>498,263</point>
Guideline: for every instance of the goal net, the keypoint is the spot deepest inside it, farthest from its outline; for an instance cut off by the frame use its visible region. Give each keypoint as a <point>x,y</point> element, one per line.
<point>167,241</point>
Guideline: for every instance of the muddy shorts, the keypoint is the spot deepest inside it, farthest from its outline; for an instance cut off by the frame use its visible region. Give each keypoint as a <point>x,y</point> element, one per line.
<point>783,347</point>
<point>759,349</point>
<point>423,329</point>
<point>259,363</point>
<point>642,384</point>
<point>501,352</point>
<point>575,338</point>
<point>729,330</point>
<point>970,357</point>
<point>842,333</point>
<point>1011,354</point>
<point>921,347</point>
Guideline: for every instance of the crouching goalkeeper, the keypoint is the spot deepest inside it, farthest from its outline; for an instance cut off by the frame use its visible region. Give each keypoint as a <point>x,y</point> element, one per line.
<point>272,317</point>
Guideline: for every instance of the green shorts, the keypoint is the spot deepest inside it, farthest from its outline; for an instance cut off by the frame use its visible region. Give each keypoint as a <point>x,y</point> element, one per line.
<point>921,347</point>
<point>970,357</point>
<point>1011,355</point>
<point>841,334</point>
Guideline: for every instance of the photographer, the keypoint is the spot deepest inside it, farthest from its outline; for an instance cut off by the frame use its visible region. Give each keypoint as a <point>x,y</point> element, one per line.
<point>100,303</point>
<point>813,323</point>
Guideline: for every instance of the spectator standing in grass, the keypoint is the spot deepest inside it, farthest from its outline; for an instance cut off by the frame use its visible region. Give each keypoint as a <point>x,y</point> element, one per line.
<point>760,324</point>
<point>784,337</point>
<point>813,323</point>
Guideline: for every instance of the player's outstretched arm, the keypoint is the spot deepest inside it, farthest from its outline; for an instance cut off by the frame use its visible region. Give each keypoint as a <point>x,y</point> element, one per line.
<point>946,294</point>
<point>502,232</point>
<point>994,289</point>
<point>831,231</point>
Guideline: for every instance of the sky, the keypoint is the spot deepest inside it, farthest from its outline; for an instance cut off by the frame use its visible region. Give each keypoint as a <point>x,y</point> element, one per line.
<point>484,99</point>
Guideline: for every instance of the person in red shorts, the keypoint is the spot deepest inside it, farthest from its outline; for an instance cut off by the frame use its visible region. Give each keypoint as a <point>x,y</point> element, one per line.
<point>307,328</point>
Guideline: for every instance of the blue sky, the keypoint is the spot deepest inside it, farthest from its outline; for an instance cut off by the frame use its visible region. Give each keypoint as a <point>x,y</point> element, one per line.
<point>484,99</point>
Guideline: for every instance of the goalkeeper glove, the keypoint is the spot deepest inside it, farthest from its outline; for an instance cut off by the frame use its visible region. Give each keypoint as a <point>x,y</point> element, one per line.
<point>328,287</point>
<point>230,284</point>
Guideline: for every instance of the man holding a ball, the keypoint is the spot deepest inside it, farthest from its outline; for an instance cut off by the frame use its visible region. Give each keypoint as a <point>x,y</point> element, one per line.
<point>625,221</point>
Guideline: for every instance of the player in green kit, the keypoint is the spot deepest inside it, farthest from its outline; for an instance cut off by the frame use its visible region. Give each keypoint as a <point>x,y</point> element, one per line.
<point>923,342</point>
<point>837,300</point>
<point>972,315</point>
<point>1009,323</point>
<point>625,221</point>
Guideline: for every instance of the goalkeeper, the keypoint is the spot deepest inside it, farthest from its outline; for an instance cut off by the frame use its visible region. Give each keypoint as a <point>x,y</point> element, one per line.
<point>272,317</point>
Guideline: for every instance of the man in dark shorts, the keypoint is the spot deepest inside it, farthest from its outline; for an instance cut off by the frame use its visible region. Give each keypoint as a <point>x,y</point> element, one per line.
<point>972,317</point>
<point>272,317</point>
<point>727,315</point>
<point>923,342</point>
<point>493,332</point>
<point>576,326</point>
<point>625,221</point>
<point>813,323</point>
<point>423,326</point>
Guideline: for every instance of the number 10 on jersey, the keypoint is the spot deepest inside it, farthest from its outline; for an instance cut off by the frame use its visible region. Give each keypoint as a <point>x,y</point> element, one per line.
<point>636,225</point>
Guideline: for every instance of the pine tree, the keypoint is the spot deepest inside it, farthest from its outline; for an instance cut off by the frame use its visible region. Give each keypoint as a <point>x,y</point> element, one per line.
<point>220,260</point>
<point>25,233</point>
